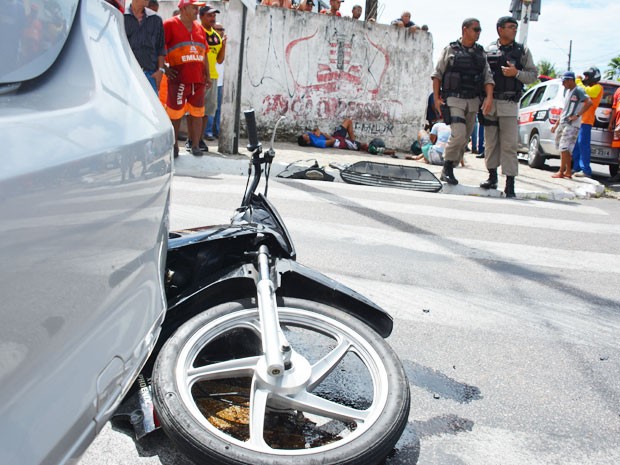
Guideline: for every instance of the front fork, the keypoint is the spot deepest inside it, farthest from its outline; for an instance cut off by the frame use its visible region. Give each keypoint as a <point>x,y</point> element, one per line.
<point>276,348</point>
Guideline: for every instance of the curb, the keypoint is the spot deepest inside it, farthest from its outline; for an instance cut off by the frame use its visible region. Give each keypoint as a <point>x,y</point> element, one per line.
<point>214,163</point>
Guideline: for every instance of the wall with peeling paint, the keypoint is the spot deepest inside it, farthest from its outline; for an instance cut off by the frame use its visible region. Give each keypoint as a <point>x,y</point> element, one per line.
<point>317,70</point>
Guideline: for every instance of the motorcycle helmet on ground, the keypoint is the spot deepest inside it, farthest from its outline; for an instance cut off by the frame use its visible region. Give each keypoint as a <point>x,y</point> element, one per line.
<point>591,76</point>
<point>376,146</point>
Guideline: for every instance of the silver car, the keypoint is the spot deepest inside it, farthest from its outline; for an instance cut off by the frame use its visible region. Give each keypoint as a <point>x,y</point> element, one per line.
<point>539,109</point>
<point>85,178</point>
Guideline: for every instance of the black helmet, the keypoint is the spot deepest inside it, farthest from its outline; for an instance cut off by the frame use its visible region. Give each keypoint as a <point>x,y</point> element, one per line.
<point>501,22</point>
<point>591,76</point>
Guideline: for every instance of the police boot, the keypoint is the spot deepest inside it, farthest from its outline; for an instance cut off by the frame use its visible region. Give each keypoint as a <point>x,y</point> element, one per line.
<point>447,173</point>
<point>490,183</point>
<point>510,187</point>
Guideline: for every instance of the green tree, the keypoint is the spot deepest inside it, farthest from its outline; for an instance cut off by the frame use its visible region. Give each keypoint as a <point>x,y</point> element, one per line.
<point>546,68</point>
<point>613,70</point>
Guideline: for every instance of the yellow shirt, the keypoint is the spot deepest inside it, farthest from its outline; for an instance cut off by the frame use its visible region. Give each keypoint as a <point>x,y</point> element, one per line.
<point>215,44</point>
<point>595,93</point>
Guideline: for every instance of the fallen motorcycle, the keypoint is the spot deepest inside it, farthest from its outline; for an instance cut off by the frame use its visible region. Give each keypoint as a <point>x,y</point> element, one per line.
<point>264,360</point>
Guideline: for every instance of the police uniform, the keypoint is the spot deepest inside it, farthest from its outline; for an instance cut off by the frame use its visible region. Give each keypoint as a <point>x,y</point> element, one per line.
<point>463,72</point>
<point>501,128</point>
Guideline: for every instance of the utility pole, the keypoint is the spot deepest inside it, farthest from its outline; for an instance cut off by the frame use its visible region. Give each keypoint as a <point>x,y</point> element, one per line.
<point>570,52</point>
<point>525,21</point>
<point>525,11</point>
<point>228,141</point>
<point>371,9</point>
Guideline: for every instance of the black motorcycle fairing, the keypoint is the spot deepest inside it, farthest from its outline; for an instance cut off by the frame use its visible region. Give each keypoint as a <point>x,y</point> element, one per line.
<point>262,212</point>
<point>201,257</point>
<point>295,280</point>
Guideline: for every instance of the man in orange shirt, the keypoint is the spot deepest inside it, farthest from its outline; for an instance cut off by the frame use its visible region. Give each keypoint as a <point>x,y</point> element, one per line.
<point>188,73</point>
<point>614,120</point>
<point>581,152</point>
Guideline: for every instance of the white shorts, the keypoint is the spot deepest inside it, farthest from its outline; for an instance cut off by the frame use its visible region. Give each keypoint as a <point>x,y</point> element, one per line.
<point>565,137</point>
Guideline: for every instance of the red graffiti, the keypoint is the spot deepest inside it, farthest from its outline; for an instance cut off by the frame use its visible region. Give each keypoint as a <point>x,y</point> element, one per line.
<point>323,107</point>
<point>339,72</point>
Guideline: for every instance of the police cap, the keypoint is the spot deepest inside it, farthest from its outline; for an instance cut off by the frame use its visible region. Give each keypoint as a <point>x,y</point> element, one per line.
<point>501,22</point>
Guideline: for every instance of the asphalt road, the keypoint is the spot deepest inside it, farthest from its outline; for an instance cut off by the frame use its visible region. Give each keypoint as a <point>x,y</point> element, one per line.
<point>507,315</point>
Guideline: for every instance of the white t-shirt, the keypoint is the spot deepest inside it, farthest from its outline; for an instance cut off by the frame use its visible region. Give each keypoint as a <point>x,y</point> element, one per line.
<point>220,73</point>
<point>443,132</point>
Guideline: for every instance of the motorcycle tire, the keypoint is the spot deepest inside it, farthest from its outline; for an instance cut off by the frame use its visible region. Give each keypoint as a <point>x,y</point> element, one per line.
<point>344,399</point>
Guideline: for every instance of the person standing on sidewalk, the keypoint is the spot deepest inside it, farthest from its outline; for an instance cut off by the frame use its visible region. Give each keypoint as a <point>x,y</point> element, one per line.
<point>217,52</point>
<point>215,127</point>
<point>581,152</point>
<point>188,74</point>
<point>566,129</point>
<point>462,82</point>
<point>614,120</point>
<point>145,33</point>
<point>512,66</point>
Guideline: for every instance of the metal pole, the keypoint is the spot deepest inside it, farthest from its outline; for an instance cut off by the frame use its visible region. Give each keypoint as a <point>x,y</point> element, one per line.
<point>570,51</point>
<point>525,21</point>
<point>228,142</point>
<point>370,10</point>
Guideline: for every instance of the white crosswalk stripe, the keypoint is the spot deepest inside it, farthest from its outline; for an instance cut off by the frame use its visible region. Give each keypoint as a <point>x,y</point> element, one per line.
<point>465,209</point>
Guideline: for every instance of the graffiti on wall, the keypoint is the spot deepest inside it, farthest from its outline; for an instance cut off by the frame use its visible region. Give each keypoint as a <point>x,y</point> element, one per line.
<point>339,71</point>
<point>344,82</point>
<point>311,106</point>
<point>373,128</point>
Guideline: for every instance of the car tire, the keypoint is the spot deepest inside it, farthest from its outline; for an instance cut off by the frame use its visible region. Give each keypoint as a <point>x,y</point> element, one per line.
<point>534,156</point>
<point>613,170</point>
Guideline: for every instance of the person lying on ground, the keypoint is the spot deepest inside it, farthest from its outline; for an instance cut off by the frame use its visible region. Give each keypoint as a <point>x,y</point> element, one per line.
<point>343,137</point>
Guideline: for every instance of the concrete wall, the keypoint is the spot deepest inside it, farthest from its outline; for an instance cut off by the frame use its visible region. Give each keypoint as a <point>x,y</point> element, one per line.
<point>317,70</point>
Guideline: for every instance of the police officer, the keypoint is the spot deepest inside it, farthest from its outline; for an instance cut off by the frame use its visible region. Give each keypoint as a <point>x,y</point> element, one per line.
<point>461,79</point>
<point>512,66</point>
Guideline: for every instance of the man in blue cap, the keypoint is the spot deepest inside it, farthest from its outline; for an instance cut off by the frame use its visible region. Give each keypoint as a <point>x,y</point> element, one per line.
<point>576,103</point>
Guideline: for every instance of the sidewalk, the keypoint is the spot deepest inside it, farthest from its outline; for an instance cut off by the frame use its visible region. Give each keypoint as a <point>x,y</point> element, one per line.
<point>530,184</point>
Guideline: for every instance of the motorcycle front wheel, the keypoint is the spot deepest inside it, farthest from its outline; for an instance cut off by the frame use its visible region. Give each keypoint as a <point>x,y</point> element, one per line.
<point>344,398</point>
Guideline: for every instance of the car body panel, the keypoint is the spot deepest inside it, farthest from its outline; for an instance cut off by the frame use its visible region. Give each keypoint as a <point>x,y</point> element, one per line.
<point>84,191</point>
<point>41,28</point>
<point>541,104</point>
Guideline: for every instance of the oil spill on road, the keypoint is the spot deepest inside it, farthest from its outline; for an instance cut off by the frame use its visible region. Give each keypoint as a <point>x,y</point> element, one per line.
<point>440,384</point>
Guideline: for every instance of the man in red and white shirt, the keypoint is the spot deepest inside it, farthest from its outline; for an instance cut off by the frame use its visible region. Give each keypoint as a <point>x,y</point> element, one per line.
<point>334,6</point>
<point>188,71</point>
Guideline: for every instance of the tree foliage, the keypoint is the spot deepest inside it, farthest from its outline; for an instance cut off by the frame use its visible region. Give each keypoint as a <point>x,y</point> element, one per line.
<point>613,69</point>
<point>546,68</point>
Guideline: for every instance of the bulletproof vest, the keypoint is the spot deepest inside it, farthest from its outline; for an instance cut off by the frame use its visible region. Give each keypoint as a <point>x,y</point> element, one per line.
<point>464,76</point>
<point>506,88</point>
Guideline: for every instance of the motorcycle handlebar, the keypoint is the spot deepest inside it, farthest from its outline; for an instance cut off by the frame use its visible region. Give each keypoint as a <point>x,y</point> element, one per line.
<point>250,122</point>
